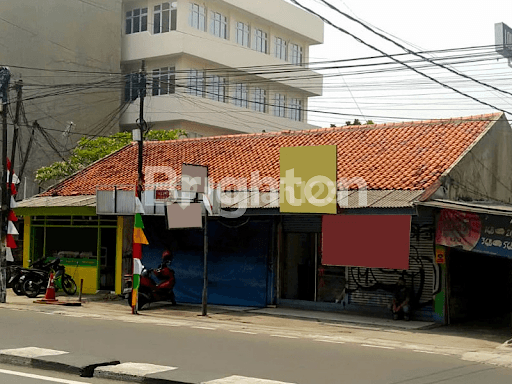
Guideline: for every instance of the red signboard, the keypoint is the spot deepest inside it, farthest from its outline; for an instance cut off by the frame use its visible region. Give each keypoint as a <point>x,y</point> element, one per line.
<point>371,241</point>
<point>161,194</point>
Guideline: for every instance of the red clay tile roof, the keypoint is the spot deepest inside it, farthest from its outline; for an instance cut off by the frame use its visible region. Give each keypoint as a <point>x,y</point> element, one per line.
<point>400,156</point>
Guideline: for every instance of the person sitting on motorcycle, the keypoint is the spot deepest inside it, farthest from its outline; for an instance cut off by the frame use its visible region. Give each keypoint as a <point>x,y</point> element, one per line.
<point>157,276</point>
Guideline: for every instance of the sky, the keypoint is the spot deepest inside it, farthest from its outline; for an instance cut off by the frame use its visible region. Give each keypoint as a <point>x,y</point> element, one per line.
<point>389,92</point>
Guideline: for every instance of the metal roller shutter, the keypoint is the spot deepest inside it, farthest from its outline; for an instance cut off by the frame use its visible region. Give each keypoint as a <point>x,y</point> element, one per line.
<point>302,224</point>
<point>373,288</point>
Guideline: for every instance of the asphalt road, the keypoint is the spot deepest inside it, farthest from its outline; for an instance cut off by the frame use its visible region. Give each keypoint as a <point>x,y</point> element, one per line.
<point>23,375</point>
<point>223,352</point>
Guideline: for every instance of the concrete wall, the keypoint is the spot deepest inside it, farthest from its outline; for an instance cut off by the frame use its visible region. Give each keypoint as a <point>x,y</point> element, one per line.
<point>73,37</point>
<point>484,172</point>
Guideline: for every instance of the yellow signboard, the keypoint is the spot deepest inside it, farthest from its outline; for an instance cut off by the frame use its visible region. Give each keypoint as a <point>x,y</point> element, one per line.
<point>308,179</point>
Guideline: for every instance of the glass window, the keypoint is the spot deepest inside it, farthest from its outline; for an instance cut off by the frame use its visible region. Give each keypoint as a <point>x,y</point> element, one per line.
<point>217,88</point>
<point>218,25</point>
<point>164,81</point>
<point>164,17</point>
<point>296,54</point>
<point>241,98</point>
<point>242,34</point>
<point>197,17</point>
<point>280,48</point>
<point>132,86</point>
<point>195,83</point>
<point>260,42</point>
<point>259,103</point>
<point>295,109</point>
<point>136,20</point>
<point>279,105</point>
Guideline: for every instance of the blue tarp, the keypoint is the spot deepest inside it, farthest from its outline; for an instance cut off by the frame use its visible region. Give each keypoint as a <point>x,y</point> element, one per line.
<point>237,260</point>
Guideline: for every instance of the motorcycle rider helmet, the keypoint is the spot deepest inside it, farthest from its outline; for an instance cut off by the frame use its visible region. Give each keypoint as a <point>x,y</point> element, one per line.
<point>166,256</point>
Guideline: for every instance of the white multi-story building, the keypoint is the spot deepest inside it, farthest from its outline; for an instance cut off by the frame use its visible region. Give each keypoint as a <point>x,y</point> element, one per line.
<point>220,66</point>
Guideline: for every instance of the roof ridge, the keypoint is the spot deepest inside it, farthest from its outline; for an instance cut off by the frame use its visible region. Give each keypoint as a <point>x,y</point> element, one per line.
<point>451,120</point>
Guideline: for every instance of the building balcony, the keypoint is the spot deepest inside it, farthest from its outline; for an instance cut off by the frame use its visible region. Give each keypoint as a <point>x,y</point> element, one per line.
<point>220,53</point>
<point>213,117</point>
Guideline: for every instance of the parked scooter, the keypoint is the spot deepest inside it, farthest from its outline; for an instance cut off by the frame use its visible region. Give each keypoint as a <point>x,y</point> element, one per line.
<point>13,280</point>
<point>149,291</point>
<point>35,281</point>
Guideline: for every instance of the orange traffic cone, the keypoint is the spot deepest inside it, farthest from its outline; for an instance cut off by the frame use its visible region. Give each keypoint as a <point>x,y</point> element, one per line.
<point>50,291</point>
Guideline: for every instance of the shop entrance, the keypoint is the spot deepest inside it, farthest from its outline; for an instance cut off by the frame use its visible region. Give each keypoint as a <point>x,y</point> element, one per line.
<point>479,288</point>
<point>108,259</point>
<point>299,267</point>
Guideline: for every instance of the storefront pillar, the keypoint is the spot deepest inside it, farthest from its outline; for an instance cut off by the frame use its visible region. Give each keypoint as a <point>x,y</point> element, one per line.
<point>119,255</point>
<point>27,237</point>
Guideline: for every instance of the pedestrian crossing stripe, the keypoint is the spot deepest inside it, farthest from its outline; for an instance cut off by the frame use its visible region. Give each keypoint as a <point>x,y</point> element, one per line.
<point>31,352</point>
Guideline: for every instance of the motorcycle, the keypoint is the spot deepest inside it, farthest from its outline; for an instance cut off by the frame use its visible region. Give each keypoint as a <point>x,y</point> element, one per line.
<point>35,281</point>
<point>149,291</point>
<point>13,281</point>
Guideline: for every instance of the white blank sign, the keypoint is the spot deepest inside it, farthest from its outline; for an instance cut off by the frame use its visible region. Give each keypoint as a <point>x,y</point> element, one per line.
<point>194,178</point>
<point>184,216</point>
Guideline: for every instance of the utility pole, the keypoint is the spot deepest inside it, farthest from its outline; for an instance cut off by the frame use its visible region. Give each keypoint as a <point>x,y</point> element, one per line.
<point>142,127</point>
<point>19,93</point>
<point>5,76</point>
<point>140,174</point>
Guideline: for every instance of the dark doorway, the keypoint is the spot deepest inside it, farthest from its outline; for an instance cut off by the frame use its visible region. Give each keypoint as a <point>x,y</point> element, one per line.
<point>299,267</point>
<point>479,288</point>
<point>108,259</point>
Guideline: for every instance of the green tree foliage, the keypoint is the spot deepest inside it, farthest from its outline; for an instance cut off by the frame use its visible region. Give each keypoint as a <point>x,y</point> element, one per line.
<point>87,151</point>
<point>357,122</point>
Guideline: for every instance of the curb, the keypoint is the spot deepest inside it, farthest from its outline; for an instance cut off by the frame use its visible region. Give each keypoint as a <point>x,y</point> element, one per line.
<point>81,365</point>
<point>154,374</point>
<point>349,322</point>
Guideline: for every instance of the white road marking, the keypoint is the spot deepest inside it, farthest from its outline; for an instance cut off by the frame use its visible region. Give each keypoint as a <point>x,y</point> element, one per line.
<point>376,346</point>
<point>430,352</point>
<point>285,336</point>
<point>245,332</point>
<point>39,377</point>
<point>210,328</point>
<point>244,380</point>
<point>330,341</point>
<point>133,369</point>
<point>31,352</point>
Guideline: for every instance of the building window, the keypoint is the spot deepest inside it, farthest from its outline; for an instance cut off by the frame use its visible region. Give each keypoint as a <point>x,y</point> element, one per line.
<point>164,81</point>
<point>197,17</point>
<point>217,88</point>
<point>218,25</point>
<point>260,41</point>
<point>295,109</point>
<point>279,105</point>
<point>241,98</point>
<point>259,103</point>
<point>296,54</point>
<point>131,87</point>
<point>193,135</point>
<point>195,83</point>
<point>136,20</point>
<point>280,48</point>
<point>242,34</point>
<point>164,17</point>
